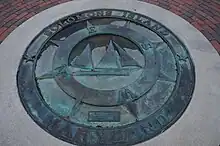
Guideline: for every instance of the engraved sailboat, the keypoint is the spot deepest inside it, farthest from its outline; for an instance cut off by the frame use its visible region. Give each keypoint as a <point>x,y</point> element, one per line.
<point>115,62</point>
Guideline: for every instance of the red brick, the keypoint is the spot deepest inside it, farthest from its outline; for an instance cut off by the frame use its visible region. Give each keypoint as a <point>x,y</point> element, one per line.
<point>175,8</point>
<point>179,2</point>
<point>213,6</point>
<point>198,21</point>
<point>212,19</point>
<point>3,13</point>
<point>25,9</point>
<point>176,11</point>
<point>217,18</point>
<point>198,26</point>
<point>209,23</point>
<point>154,2</point>
<point>12,27</point>
<point>30,15</point>
<point>21,15</point>
<point>48,2</point>
<point>217,2</point>
<point>173,3</point>
<point>185,8</point>
<point>218,6</point>
<point>3,35</point>
<point>189,1</point>
<point>9,9</point>
<point>216,45</point>
<point>10,18</point>
<point>209,29</point>
<point>201,13</point>
<point>194,18</point>
<point>2,29</point>
<point>21,6</point>
<point>42,4</point>
<point>33,3</point>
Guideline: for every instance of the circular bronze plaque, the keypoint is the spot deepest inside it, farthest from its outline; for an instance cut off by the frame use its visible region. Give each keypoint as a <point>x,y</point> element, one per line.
<point>105,78</point>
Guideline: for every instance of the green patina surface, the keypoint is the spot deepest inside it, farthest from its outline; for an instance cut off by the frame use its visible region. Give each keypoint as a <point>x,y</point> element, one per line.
<point>106,77</point>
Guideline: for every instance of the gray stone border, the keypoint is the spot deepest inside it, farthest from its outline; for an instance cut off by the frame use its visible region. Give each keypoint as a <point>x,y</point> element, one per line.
<point>197,127</point>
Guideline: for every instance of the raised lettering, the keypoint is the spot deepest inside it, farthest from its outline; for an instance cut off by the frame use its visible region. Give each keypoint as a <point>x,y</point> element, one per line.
<point>67,21</point>
<point>145,21</point>
<point>99,13</point>
<point>29,58</point>
<point>156,27</point>
<point>53,29</point>
<point>130,15</point>
<point>154,125</point>
<point>125,14</point>
<point>146,130</point>
<point>108,13</point>
<point>164,32</point>
<point>161,119</point>
<point>79,17</point>
<point>90,14</point>
<point>48,32</point>
<point>117,13</point>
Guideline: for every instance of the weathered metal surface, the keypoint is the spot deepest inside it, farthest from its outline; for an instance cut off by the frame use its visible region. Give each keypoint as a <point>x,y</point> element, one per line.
<point>105,77</point>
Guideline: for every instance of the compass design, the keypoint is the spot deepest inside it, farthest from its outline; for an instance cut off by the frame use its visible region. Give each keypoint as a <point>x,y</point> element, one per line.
<point>106,77</point>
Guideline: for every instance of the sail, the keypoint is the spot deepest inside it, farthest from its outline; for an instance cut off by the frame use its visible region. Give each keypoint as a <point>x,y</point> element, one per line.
<point>125,58</point>
<point>110,58</point>
<point>84,60</point>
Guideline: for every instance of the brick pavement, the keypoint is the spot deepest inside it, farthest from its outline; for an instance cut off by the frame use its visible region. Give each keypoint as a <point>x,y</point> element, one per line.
<point>202,14</point>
